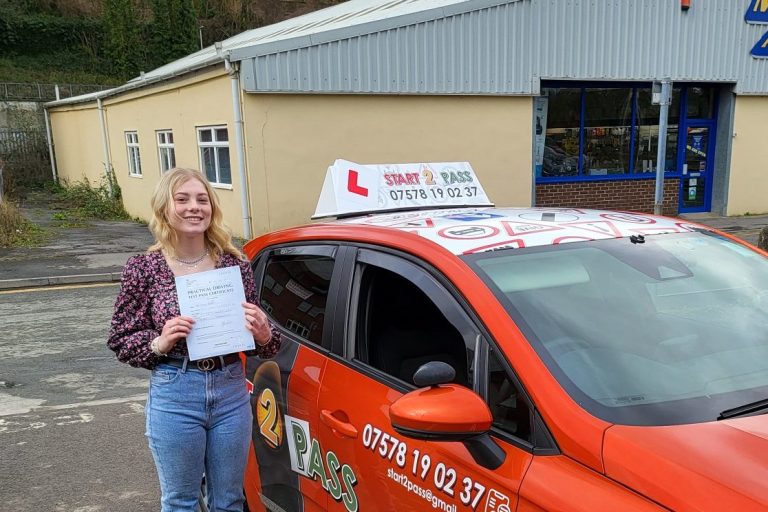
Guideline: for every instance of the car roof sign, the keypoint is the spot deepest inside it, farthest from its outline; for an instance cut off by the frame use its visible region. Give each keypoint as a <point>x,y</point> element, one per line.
<point>354,189</point>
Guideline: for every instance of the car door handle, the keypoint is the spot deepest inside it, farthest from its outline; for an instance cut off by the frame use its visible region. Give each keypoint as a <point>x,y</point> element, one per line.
<point>342,427</point>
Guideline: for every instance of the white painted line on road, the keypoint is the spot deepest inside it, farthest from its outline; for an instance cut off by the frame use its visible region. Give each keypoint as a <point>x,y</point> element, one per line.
<point>93,403</point>
<point>136,410</point>
<point>11,427</point>
<point>12,406</point>
<point>82,417</point>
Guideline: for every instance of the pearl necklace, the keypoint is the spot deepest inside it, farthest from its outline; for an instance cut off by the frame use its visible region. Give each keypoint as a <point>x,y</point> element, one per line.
<point>192,263</point>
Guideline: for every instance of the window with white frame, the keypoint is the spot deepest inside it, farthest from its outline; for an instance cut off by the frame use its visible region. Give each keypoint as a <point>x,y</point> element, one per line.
<point>134,159</point>
<point>213,142</point>
<point>165,150</point>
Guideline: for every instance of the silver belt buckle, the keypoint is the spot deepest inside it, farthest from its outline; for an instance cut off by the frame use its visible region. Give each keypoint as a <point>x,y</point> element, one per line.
<point>206,365</point>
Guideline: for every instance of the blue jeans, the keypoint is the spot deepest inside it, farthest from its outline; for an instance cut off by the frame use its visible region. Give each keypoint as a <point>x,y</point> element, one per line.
<point>199,422</point>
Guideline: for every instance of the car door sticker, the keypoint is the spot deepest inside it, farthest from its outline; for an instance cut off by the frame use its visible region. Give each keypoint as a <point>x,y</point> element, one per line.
<point>268,418</point>
<point>497,502</point>
<point>307,459</point>
<point>279,485</point>
<point>420,475</point>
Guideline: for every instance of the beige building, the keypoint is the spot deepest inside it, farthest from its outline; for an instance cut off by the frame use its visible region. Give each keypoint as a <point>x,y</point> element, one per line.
<point>551,103</point>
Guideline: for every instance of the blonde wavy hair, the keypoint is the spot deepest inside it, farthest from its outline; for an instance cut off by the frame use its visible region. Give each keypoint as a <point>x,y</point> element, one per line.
<point>218,239</point>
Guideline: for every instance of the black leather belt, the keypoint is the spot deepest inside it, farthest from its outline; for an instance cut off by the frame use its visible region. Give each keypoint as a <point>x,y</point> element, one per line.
<point>206,365</point>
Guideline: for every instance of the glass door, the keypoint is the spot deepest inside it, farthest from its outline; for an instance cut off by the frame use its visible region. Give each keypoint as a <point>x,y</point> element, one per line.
<point>696,179</point>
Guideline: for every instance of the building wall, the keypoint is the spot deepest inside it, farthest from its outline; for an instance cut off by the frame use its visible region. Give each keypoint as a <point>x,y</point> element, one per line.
<point>632,195</point>
<point>201,99</point>
<point>504,47</point>
<point>747,191</point>
<point>77,143</point>
<point>292,139</point>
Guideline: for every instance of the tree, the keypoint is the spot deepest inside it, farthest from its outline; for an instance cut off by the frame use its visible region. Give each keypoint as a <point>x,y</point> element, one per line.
<point>185,20</point>
<point>123,37</point>
<point>173,31</point>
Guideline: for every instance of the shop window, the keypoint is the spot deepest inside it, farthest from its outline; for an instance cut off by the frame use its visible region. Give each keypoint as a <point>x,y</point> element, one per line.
<point>647,133</point>
<point>294,292</point>
<point>561,146</point>
<point>607,131</point>
<point>134,157</point>
<point>701,102</point>
<point>165,150</point>
<point>213,142</point>
<point>593,132</point>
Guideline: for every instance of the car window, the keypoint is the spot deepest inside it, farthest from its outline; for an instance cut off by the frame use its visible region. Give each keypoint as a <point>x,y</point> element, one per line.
<point>294,291</point>
<point>401,326</point>
<point>510,410</point>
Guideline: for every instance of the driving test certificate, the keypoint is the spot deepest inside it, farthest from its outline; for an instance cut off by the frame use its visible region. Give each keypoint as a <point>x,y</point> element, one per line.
<point>214,300</point>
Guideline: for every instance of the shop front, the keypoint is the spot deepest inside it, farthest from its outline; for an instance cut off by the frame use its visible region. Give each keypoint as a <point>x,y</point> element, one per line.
<point>596,144</point>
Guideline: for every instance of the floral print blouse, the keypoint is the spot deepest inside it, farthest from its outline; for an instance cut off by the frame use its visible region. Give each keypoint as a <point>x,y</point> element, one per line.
<point>147,299</point>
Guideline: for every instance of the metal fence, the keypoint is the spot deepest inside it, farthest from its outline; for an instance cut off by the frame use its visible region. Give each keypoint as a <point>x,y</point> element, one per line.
<point>24,155</point>
<point>10,91</point>
<point>15,144</point>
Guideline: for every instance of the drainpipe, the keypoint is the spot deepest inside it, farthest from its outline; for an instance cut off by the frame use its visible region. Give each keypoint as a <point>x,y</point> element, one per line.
<point>105,146</point>
<point>49,136</point>
<point>234,78</point>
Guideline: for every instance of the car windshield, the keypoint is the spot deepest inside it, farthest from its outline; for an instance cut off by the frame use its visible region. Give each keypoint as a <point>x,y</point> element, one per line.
<point>671,330</point>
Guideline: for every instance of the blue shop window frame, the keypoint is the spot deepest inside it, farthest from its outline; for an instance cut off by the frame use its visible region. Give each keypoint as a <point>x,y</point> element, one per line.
<point>682,131</point>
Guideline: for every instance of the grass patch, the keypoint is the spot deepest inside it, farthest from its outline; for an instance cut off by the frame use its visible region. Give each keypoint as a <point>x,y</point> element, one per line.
<point>16,231</point>
<point>82,202</point>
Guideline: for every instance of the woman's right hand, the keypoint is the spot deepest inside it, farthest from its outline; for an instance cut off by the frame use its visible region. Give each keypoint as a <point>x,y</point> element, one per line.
<point>175,329</point>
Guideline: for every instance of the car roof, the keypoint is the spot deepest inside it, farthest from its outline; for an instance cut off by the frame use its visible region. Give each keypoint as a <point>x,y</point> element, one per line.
<point>471,230</point>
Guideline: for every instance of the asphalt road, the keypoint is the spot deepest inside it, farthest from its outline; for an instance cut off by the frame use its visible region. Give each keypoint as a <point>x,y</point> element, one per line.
<point>71,416</point>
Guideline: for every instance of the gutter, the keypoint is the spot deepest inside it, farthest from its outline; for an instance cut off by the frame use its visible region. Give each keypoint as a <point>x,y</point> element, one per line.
<point>234,78</point>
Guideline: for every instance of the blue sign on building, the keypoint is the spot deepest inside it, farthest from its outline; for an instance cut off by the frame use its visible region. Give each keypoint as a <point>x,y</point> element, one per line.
<point>761,48</point>
<point>757,12</point>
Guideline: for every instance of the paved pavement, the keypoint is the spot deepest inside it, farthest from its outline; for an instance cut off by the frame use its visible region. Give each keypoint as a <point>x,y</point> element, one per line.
<point>97,252</point>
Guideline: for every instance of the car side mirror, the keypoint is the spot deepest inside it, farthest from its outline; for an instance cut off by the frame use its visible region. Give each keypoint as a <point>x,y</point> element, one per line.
<point>446,412</point>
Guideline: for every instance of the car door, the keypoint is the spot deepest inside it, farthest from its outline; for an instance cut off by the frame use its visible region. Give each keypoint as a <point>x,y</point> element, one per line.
<point>399,317</point>
<point>294,283</point>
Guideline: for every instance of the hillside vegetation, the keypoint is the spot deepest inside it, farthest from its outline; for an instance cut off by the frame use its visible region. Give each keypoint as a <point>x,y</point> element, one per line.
<point>110,41</point>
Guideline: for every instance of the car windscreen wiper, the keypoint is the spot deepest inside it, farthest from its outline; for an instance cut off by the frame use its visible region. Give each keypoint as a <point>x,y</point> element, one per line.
<point>745,410</point>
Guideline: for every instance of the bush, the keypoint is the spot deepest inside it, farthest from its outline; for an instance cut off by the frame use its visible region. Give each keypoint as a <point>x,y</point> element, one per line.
<point>89,202</point>
<point>15,230</point>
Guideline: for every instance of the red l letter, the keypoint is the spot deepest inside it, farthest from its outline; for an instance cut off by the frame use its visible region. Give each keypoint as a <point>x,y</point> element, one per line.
<point>352,185</point>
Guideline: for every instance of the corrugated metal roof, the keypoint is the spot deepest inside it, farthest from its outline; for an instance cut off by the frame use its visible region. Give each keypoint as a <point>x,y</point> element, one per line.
<point>309,29</point>
<point>508,47</point>
<point>487,47</point>
<point>648,40</point>
<point>483,51</point>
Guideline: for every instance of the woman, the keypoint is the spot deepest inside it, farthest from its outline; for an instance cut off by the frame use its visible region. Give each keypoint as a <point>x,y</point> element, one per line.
<point>198,415</point>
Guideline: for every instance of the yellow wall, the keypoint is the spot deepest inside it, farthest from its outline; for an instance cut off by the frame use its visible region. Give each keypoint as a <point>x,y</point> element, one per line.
<point>291,141</point>
<point>77,144</point>
<point>749,157</point>
<point>182,107</point>
<point>203,99</point>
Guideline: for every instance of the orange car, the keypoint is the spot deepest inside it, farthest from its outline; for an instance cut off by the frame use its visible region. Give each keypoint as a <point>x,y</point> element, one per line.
<point>500,359</point>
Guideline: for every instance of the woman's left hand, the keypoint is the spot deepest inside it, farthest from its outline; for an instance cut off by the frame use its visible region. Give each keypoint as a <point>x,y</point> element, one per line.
<point>257,323</point>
